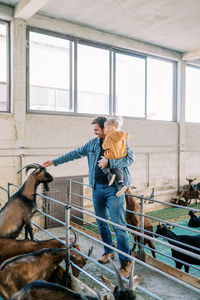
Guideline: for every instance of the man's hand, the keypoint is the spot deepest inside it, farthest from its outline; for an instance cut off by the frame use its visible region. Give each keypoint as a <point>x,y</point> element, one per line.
<point>47,163</point>
<point>103,162</point>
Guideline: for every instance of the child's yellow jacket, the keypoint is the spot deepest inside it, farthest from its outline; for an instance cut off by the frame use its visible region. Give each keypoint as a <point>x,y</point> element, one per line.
<point>115,144</point>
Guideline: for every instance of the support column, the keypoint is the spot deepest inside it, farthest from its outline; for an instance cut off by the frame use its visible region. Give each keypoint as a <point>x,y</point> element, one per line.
<point>181,123</point>
<point>18,88</point>
<point>18,78</point>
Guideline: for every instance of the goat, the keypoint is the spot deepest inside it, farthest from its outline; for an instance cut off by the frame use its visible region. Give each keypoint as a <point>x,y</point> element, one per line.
<point>41,289</point>
<point>187,239</point>
<point>134,219</point>
<point>193,187</point>
<point>20,270</point>
<point>189,195</point>
<point>194,220</point>
<point>21,207</point>
<point>119,292</point>
<point>179,201</point>
<point>10,248</point>
<point>45,290</point>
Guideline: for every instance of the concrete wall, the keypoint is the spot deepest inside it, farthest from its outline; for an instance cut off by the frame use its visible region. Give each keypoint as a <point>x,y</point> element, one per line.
<point>27,138</point>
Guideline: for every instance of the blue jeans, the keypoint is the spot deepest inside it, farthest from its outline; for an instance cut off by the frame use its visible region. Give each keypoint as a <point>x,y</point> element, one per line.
<point>105,200</point>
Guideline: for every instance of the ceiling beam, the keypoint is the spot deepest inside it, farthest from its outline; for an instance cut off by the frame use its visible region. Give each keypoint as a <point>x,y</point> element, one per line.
<point>191,55</point>
<point>25,9</point>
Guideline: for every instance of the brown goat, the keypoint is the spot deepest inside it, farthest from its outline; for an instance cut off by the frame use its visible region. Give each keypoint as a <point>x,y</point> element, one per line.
<point>16,272</point>
<point>134,219</point>
<point>21,207</point>
<point>189,195</point>
<point>45,290</point>
<point>10,248</point>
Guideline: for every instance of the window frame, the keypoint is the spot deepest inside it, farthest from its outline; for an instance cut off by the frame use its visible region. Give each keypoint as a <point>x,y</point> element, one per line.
<point>8,66</point>
<point>74,41</point>
<point>193,67</point>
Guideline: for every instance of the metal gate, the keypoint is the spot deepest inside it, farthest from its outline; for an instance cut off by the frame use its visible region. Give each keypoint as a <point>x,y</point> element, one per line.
<point>58,189</point>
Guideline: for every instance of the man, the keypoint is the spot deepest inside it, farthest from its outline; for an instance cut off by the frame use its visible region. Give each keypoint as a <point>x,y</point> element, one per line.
<point>104,196</point>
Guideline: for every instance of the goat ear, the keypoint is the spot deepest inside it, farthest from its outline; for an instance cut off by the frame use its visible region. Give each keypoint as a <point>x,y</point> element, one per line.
<point>108,283</point>
<point>78,247</point>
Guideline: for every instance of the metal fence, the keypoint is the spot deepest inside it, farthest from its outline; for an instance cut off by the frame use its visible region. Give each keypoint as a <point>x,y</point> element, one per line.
<point>69,207</point>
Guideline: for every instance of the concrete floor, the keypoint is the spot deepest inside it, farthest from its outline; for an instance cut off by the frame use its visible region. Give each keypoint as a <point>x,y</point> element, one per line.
<point>151,281</point>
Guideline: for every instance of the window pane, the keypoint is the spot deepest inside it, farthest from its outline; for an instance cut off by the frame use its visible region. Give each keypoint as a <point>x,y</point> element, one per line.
<point>159,90</point>
<point>192,99</point>
<point>49,73</point>
<point>130,86</point>
<point>3,68</point>
<point>93,80</point>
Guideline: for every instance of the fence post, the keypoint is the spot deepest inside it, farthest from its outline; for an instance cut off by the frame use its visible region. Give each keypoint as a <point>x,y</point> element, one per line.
<point>69,190</point>
<point>141,248</point>
<point>67,226</point>
<point>67,237</point>
<point>9,190</point>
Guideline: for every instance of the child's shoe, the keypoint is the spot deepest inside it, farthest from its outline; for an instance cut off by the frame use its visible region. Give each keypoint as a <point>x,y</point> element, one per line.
<point>111,178</point>
<point>121,190</point>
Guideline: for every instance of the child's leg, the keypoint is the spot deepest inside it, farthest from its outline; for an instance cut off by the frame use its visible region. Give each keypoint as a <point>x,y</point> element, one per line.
<point>119,174</point>
<point>106,170</point>
<point>111,176</point>
<point>119,178</point>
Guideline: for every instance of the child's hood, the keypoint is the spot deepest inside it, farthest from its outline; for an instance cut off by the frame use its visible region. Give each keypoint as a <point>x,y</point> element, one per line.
<point>117,136</point>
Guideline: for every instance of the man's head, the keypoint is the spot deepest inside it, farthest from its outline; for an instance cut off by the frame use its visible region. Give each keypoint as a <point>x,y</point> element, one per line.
<point>98,124</point>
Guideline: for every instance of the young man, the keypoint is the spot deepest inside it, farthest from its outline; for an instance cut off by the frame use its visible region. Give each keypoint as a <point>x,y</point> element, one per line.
<point>104,196</point>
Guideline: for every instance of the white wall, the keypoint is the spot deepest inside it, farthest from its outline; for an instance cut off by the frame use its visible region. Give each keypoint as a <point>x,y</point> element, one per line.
<point>29,138</point>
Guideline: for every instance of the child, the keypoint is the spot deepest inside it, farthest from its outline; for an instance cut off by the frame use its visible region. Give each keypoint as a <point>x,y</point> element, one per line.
<point>115,147</point>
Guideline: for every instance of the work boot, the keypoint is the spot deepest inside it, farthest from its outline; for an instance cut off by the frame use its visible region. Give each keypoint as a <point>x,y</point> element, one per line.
<point>121,190</point>
<point>125,268</point>
<point>111,178</point>
<point>105,258</point>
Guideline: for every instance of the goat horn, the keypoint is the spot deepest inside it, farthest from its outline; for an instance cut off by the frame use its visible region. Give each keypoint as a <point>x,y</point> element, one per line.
<point>131,279</point>
<point>73,242</point>
<point>29,166</point>
<point>118,277</point>
<point>90,251</point>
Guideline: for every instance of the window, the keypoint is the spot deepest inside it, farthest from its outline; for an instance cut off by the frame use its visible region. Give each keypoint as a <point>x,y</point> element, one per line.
<point>4,67</point>
<point>159,90</point>
<point>192,97</point>
<point>130,86</point>
<point>73,76</point>
<point>92,80</point>
<point>49,74</point>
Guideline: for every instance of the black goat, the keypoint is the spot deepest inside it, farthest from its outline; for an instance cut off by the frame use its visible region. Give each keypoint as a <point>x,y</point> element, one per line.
<point>41,289</point>
<point>119,292</point>
<point>194,221</point>
<point>21,207</point>
<point>192,186</point>
<point>187,239</point>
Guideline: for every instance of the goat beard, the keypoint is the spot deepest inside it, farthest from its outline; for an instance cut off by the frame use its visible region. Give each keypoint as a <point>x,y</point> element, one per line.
<point>46,186</point>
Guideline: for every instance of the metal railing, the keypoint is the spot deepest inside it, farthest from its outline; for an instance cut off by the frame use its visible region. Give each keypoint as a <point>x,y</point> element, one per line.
<point>141,233</point>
